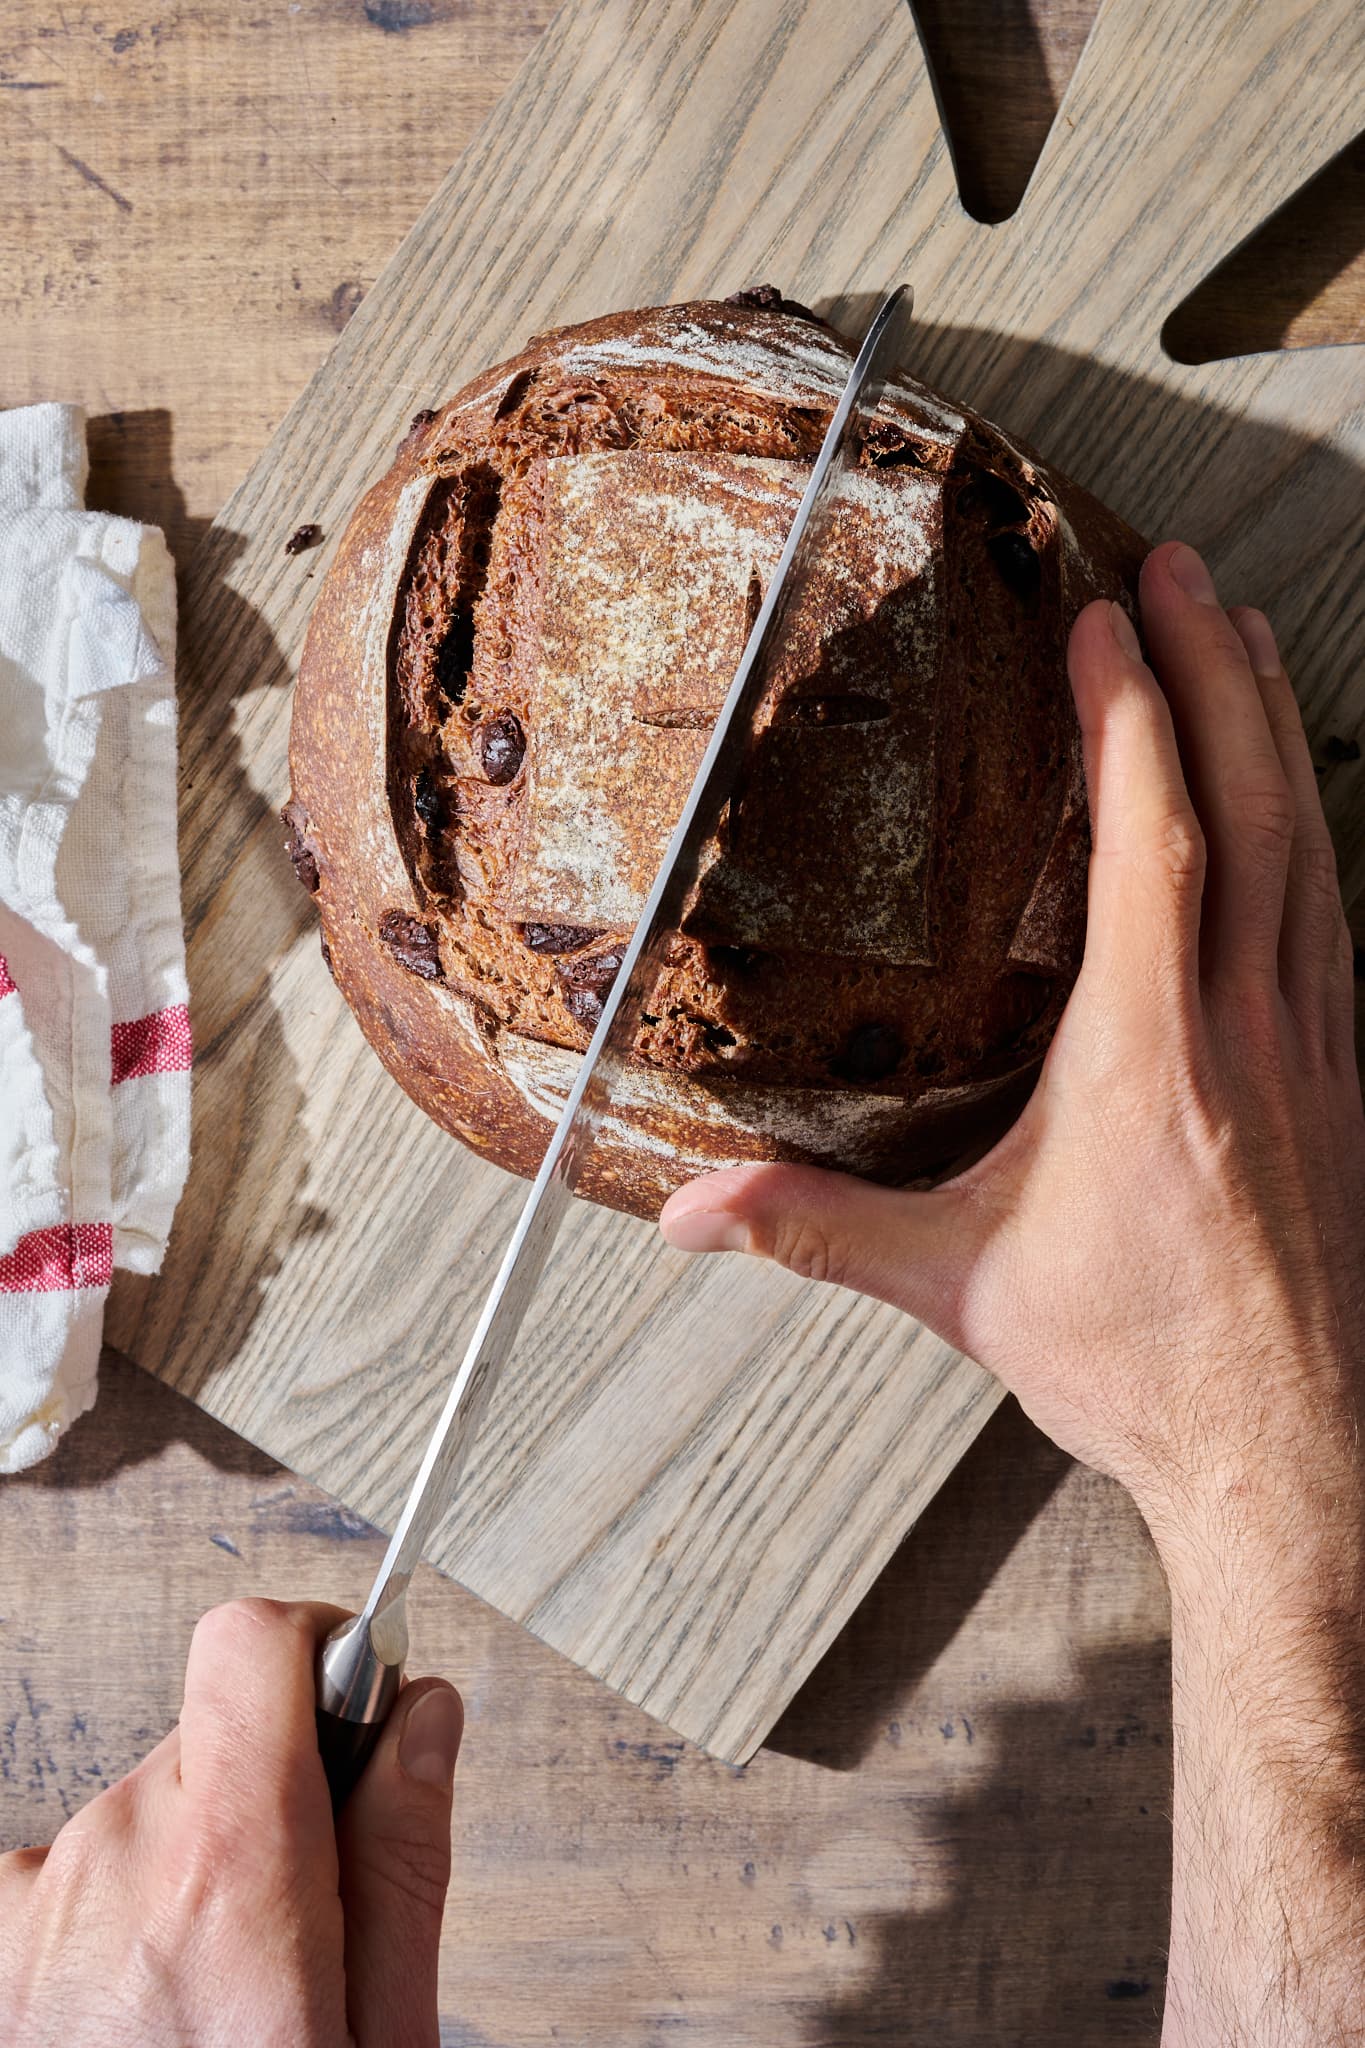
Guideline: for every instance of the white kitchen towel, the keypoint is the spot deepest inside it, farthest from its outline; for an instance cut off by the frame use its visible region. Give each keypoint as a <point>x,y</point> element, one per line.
<point>94,1029</point>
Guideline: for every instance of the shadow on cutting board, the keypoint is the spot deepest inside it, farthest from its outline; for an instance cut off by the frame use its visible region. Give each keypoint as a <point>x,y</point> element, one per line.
<point>1037,1859</point>
<point>924,1596</point>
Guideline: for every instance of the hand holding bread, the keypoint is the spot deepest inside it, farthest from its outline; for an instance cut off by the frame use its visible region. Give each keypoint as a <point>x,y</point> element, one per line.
<point>1163,1255</point>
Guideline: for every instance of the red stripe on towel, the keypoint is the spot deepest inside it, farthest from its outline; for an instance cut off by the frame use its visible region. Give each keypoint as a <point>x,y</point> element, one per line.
<point>8,985</point>
<point>66,1256</point>
<point>159,1044</point>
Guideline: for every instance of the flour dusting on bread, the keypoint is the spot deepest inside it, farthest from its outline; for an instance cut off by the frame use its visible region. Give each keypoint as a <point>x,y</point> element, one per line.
<point>510,677</point>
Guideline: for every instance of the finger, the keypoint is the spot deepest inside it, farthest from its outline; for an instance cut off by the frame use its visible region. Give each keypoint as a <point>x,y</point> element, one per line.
<point>248,1738</point>
<point>394,1844</point>
<point>914,1249</point>
<point>1315,948</point>
<point>1147,851</point>
<point>1241,794</point>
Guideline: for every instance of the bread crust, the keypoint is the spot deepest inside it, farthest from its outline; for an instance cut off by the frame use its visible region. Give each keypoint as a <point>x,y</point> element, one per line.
<point>455,1046</point>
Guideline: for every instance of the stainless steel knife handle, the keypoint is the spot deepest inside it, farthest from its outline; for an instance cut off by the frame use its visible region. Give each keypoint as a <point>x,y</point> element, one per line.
<point>356,1688</point>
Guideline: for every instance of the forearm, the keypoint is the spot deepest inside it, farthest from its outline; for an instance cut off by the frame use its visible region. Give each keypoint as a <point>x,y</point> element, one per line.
<point>1268,1900</point>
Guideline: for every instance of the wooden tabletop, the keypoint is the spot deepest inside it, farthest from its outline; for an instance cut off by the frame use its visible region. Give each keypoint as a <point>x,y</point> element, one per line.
<point>958,1833</point>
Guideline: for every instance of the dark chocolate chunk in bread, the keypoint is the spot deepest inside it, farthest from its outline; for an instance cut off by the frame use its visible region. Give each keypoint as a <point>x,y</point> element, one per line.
<point>559,938</point>
<point>586,983</point>
<point>411,942</point>
<point>766,298</point>
<point>501,746</point>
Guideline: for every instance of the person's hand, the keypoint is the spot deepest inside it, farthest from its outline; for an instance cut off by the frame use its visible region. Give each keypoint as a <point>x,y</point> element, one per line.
<point>205,1899</point>
<point>1163,1258</point>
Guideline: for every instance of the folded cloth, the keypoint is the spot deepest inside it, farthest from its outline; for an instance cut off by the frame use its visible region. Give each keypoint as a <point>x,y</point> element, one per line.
<point>94,1029</point>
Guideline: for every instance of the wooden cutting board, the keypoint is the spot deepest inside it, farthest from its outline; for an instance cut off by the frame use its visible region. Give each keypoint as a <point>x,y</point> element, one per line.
<point>696,1470</point>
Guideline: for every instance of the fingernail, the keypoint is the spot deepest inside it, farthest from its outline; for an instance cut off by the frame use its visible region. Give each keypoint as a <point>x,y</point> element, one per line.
<point>706,1230</point>
<point>1190,573</point>
<point>430,1741</point>
<point>1254,631</point>
<point>1121,626</point>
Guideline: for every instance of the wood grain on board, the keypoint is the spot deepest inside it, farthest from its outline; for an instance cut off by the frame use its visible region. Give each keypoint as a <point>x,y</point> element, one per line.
<point>959,1826</point>
<point>694,1473</point>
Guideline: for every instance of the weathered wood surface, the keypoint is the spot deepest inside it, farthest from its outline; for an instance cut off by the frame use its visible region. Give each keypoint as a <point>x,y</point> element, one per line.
<point>692,1477</point>
<point>198,197</point>
<point>957,1835</point>
<point>1007,1890</point>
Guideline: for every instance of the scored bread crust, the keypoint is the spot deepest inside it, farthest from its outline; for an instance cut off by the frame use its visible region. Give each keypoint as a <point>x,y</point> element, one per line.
<point>485,1036</point>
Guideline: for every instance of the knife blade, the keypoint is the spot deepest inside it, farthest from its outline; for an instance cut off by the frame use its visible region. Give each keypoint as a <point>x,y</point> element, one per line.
<point>360,1665</point>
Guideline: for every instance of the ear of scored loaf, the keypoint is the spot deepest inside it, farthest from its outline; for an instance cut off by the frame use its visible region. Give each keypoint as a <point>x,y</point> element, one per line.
<point>508,682</point>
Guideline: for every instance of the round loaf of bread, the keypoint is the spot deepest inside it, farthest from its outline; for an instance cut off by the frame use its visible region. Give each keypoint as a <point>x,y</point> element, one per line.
<point>509,678</point>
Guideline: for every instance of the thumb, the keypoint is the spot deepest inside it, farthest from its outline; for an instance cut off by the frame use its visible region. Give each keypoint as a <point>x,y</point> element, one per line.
<point>393,1843</point>
<point>914,1249</point>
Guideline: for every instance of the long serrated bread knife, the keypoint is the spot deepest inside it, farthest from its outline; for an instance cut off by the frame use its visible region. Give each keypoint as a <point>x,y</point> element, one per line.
<point>360,1665</point>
